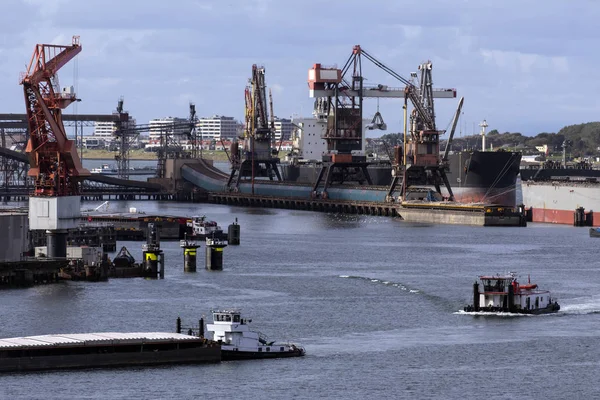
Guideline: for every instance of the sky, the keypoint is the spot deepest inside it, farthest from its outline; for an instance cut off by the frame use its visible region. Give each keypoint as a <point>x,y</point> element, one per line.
<point>523,65</point>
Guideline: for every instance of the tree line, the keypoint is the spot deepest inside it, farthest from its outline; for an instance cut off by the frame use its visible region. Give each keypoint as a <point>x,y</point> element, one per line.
<point>584,140</point>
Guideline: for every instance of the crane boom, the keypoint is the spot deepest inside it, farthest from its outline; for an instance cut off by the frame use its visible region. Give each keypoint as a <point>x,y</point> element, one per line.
<point>55,164</point>
<point>454,123</point>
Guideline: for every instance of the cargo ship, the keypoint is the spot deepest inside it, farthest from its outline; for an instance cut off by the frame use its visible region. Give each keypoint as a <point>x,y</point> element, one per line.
<point>475,176</point>
<point>559,195</point>
<point>203,175</point>
<point>333,144</point>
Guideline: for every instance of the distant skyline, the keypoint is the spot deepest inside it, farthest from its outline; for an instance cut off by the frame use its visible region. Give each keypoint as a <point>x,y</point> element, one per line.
<point>524,66</point>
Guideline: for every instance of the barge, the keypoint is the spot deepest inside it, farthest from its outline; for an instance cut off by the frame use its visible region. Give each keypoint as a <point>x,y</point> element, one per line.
<point>109,349</point>
<point>504,293</point>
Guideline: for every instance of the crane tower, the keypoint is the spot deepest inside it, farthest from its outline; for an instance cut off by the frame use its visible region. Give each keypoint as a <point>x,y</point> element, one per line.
<point>258,158</point>
<point>56,168</point>
<point>339,95</point>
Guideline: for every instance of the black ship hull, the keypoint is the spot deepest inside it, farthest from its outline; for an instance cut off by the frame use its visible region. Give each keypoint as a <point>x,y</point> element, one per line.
<point>552,308</point>
<point>229,355</point>
<point>474,176</point>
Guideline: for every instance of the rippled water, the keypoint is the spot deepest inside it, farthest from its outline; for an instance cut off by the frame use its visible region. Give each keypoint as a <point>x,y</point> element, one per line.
<point>375,301</point>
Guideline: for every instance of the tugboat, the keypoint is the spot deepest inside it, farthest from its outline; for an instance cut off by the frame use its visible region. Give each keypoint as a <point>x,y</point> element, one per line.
<point>503,293</point>
<point>202,228</point>
<point>238,342</point>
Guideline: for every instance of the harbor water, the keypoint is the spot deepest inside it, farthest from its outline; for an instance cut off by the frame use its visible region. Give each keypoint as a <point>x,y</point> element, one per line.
<point>375,301</point>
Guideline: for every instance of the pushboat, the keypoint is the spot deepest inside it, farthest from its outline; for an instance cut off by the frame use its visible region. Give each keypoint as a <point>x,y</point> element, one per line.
<point>504,293</point>
<point>238,342</point>
<point>202,228</point>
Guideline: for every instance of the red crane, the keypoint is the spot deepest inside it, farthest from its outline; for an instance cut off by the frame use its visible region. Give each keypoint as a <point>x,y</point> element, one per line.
<point>53,158</point>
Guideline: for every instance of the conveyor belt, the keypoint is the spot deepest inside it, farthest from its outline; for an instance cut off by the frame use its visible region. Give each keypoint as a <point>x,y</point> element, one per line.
<point>108,180</point>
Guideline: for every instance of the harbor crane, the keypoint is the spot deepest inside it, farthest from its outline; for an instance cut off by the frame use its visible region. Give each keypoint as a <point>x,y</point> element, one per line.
<point>55,165</point>
<point>339,97</point>
<point>54,162</point>
<point>258,158</point>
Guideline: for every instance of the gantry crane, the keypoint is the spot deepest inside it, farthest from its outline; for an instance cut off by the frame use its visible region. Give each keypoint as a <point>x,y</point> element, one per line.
<point>258,158</point>
<point>340,94</point>
<point>54,163</point>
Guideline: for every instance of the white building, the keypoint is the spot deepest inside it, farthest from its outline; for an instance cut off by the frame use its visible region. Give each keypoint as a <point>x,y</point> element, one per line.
<point>106,130</point>
<point>308,137</point>
<point>217,127</point>
<point>95,142</point>
<point>283,126</point>
<point>177,128</point>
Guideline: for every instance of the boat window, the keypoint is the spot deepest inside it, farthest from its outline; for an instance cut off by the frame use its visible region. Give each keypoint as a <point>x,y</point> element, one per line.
<point>260,349</point>
<point>228,318</point>
<point>268,349</point>
<point>281,349</point>
<point>236,318</point>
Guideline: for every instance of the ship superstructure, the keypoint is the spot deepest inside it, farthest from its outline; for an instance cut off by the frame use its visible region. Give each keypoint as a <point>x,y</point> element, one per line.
<point>239,342</point>
<point>504,293</point>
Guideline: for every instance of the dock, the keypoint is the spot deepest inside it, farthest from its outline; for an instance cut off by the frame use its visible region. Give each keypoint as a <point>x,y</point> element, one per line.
<point>26,273</point>
<point>420,212</point>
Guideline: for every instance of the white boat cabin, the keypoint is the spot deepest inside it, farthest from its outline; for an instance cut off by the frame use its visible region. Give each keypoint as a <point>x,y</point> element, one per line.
<point>494,291</point>
<point>203,227</point>
<point>233,332</point>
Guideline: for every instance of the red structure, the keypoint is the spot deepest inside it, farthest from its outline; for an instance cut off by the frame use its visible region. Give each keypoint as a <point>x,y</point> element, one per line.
<point>54,162</point>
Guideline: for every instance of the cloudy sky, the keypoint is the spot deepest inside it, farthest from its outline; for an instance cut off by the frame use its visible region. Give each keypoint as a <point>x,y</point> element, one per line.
<point>524,65</point>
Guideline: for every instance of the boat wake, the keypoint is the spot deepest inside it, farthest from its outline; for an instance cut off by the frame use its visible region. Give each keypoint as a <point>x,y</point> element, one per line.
<point>585,306</point>
<point>399,285</point>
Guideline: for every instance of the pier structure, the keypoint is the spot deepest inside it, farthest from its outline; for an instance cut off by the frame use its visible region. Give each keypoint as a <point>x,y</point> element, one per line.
<point>233,233</point>
<point>190,248</point>
<point>153,256</point>
<point>214,254</point>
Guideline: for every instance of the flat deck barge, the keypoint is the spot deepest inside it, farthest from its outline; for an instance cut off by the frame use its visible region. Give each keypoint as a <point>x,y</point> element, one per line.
<point>108,349</point>
<point>134,225</point>
<point>411,211</point>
